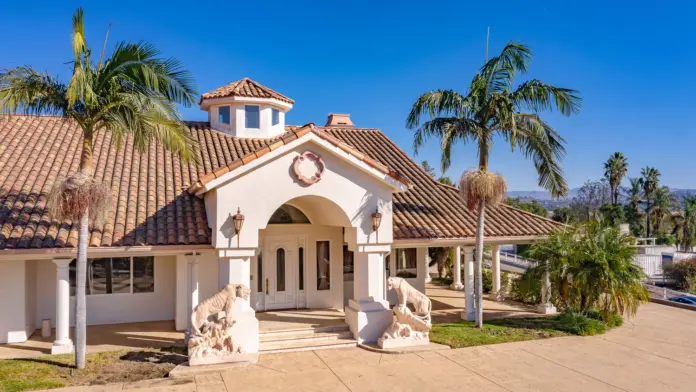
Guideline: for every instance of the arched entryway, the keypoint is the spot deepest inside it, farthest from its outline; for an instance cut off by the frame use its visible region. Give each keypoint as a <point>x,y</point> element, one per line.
<point>300,261</point>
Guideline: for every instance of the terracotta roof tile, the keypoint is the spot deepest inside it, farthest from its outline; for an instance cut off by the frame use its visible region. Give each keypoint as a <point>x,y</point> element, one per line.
<point>152,201</point>
<point>245,88</point>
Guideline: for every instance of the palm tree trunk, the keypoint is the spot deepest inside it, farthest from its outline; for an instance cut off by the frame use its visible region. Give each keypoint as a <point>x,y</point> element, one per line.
<point>647,213</point>
<point>478,273</point>
<point>80,296</point>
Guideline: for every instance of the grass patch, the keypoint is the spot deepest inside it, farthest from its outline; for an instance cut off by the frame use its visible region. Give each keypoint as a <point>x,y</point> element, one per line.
<point>102,368</point>
<point>464,334</point>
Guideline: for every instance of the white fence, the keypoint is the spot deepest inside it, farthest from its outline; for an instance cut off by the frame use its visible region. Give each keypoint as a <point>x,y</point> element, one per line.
<point>516,259</point>
<point>651,264</point>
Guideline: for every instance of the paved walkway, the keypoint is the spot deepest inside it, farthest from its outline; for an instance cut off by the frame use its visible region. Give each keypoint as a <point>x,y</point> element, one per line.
<point>654,352</point>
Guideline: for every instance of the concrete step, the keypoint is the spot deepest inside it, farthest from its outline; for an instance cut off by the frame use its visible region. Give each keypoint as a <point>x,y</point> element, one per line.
<point>305,336</point>
<point>305,345</point>
<point>303,330</point>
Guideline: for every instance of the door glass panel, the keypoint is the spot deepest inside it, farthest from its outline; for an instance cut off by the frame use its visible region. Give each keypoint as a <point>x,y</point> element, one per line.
<point>301,266</point>
<point>323,265</point>
<point>280,269</point>
<point>259,272</point>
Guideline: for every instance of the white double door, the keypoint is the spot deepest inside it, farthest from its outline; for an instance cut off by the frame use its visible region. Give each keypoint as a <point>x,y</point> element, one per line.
<point>280,273</point>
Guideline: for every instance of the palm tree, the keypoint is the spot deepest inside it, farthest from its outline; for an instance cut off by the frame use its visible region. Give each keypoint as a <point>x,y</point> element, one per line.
<point>663,204</point>
<point>686,228</point>
<point>650,181</point>
<point>591,267</point>
<point>615,169</point>
<point>491,107</point>
<point>132,92</point>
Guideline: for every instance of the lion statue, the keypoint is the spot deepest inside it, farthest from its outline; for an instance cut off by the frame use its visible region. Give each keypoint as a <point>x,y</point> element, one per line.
<point>220,302</point>
<point>408,294</point>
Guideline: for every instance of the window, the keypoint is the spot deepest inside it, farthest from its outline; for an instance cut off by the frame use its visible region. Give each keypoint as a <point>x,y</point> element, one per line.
<point>252,116</point>
<point>406,264</point>
<point>348,264</point>
<point>259,273</point>
<point>300,263</point>
<point>287,214</point>
<point>143,274</point>
<point>224,115</point>
<point>323,265</point>
<point>275,117</point>
<point>280,269</point>
<point>116,275</point>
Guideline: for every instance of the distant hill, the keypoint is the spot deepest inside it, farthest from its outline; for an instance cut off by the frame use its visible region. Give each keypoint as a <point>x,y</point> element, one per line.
<point>544,198</point>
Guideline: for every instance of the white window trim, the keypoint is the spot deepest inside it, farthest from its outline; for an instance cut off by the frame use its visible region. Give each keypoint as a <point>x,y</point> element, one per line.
<point>245,117</point>
<point>154,283</point>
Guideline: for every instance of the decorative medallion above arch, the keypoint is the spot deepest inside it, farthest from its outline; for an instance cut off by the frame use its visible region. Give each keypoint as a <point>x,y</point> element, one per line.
<point>308,167</point>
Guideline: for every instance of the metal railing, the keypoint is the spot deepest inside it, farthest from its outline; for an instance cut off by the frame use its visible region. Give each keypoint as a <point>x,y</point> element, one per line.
<point>663,292</point>
<point>517,259</point>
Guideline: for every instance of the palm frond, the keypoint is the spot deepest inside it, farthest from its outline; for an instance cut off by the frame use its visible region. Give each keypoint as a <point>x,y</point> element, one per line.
<point>439,103</point>
<point>537,96</point>
<point>545,147</point>
<point>24,90</point>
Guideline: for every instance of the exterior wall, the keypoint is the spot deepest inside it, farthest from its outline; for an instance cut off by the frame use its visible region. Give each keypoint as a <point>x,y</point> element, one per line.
<point>15,322</point>
<point>332,298</point>
<point>112,308</point>
<point>345,196</point>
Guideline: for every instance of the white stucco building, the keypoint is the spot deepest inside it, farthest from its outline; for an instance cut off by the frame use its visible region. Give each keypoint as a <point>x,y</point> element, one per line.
<point>309,196</point>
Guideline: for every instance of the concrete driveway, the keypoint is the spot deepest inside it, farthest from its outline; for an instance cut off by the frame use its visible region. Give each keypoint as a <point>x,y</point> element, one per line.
<point>654,352</point>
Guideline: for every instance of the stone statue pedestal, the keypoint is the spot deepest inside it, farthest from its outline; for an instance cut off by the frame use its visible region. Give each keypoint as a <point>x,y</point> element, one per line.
<point>407,330</point>
<point>230,337</point>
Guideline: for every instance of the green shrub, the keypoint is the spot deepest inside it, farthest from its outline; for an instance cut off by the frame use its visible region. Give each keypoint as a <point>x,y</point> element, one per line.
<point>406,274</point>
<point>610,319</point>
<point>526,288</point>
<point>684,274</point>
<point>487,274</point>
<point>579,324</point>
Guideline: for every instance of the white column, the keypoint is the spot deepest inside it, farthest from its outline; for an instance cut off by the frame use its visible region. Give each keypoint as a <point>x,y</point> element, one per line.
<point>62,344</point>
<point>546,307</point>
<point>368,313</point>
<point>469,312</point>
<point>496,294</point>
<point>457,270</point>
<point>426,267</point>
<point>192,292</point>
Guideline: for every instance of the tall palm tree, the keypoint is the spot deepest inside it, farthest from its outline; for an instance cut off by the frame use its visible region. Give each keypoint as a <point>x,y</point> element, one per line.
<point>633,194</point>
<point>686,228</point>
<point>650,181</point>
<point>132,92</point>
<point>663,204</point>
<point>492,107</point>
<point>615,169</point>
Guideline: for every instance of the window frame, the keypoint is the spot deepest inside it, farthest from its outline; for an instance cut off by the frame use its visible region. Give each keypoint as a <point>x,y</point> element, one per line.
<point>229,115</point>
<point>316,257</point>
<point>246,116</point>
<point>154,280</point>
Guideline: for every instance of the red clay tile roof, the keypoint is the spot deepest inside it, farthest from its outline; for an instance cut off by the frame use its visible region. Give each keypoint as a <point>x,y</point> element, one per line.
<point>245,88</point>
<point>152,204</point>
<point>294,133</point>
<point>430,209</point>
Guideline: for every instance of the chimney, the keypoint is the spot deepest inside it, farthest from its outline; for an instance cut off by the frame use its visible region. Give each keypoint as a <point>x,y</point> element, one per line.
<point>339,120</point>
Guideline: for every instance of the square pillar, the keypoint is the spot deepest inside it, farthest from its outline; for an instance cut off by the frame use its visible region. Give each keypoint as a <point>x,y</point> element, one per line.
<point>457,270</point>
<point>426,264</point>
<point>469,312</point>
<point>546,307</point>
<point>497,292</point>
<point>235,268</point>
<point>368,313</point>
<point>62,344</point>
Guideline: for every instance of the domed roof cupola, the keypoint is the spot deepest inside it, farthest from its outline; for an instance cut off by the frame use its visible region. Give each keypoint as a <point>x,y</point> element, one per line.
<point>247,109</point>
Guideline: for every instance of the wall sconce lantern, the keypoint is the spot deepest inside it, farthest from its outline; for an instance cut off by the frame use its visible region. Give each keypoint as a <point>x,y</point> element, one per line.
<point>238,219</point>
<point>376,219</point>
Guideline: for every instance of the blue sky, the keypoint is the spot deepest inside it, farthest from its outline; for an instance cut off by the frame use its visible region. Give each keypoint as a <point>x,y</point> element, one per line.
<point>633,63</point>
